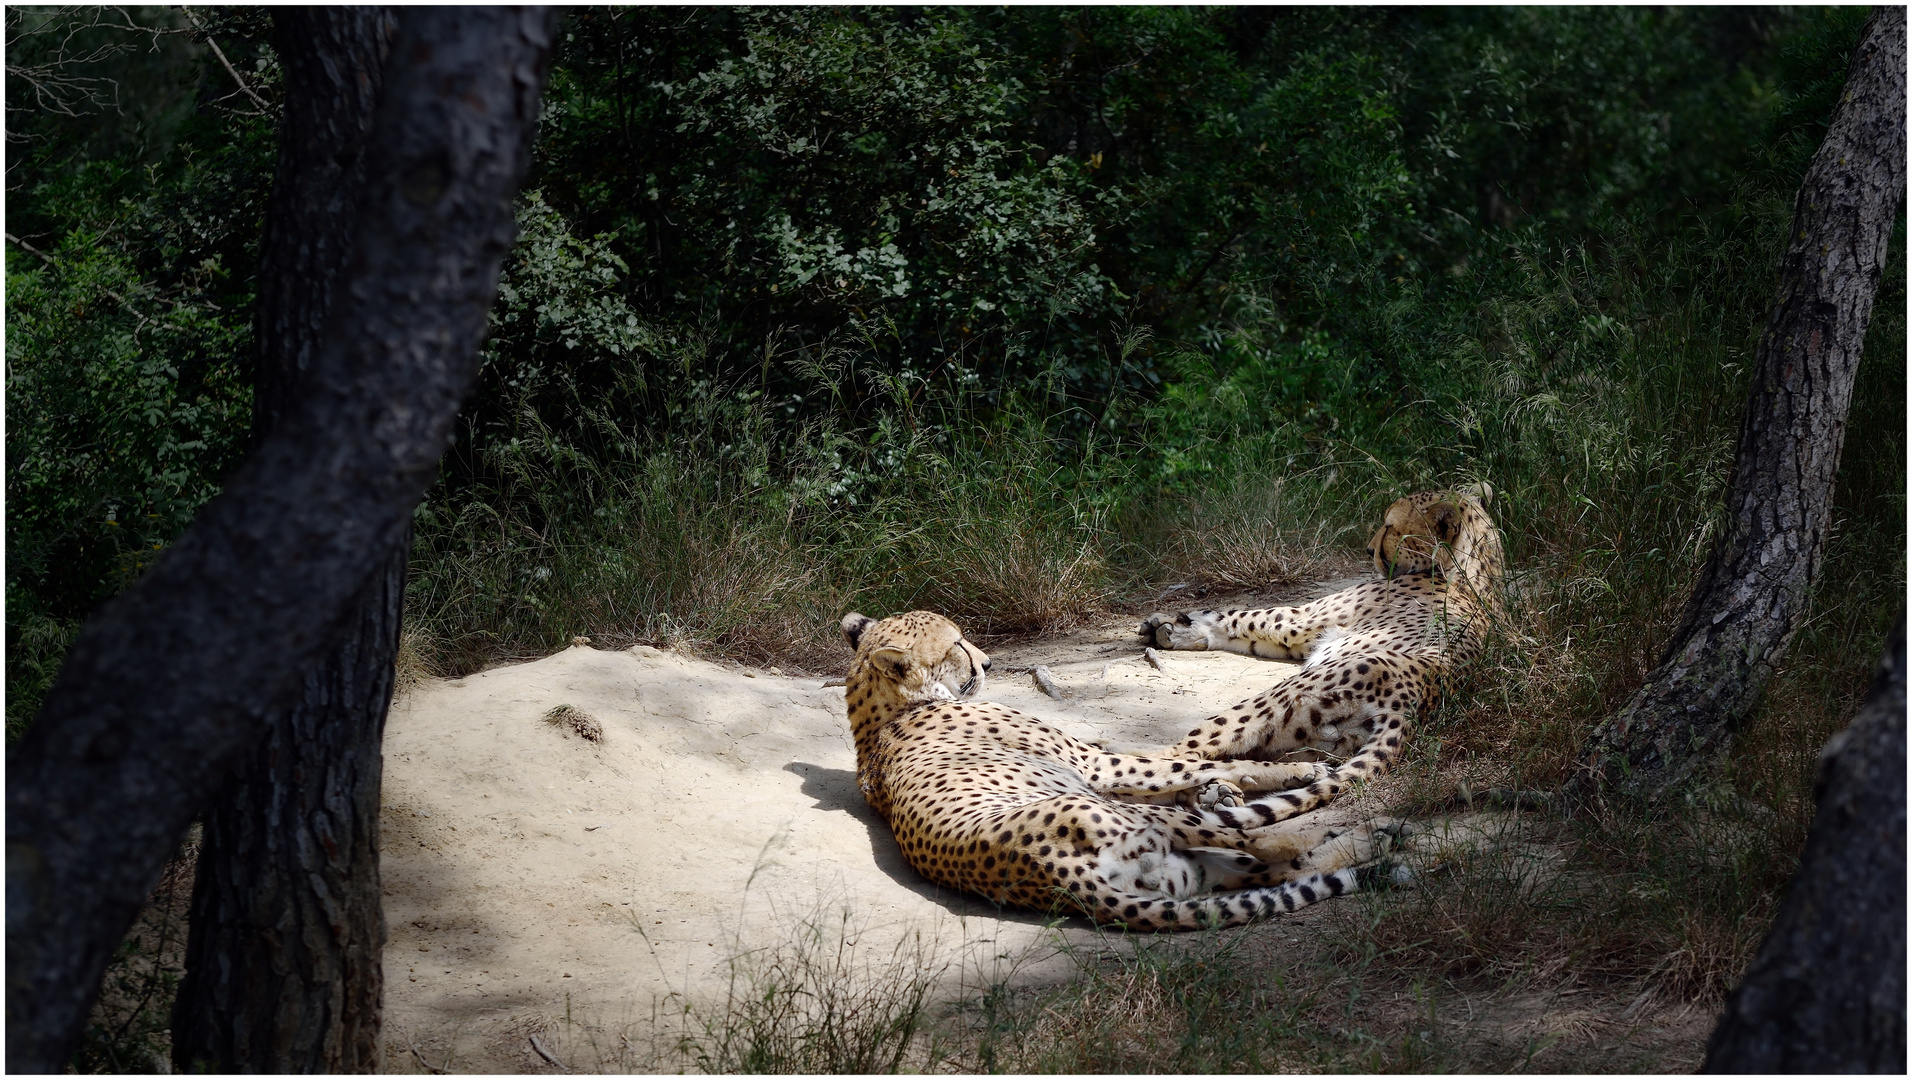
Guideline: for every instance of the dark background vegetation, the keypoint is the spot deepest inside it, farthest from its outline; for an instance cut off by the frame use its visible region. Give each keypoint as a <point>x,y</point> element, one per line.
<point>1022,315</point>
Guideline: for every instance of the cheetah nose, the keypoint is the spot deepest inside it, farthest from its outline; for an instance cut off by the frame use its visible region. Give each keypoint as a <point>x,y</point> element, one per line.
<point>987,664</point>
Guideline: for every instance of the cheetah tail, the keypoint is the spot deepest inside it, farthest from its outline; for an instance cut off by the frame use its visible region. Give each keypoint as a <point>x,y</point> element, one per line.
<point>1155,913</point>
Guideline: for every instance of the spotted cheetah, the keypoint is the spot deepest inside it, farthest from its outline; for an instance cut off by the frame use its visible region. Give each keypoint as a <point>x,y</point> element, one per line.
<point>998,803</point>
<point>1374,655</point>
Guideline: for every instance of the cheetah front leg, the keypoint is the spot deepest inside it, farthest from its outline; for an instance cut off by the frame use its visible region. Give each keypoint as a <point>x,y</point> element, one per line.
<point>1277,633</point>
<point>1270,633</point>
<point>1323,850</point>
<point>1291,850</point>
<point>1376,757</point>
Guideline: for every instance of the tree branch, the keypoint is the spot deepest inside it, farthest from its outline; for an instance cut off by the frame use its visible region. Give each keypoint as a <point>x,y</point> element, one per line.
<point>230,70</point>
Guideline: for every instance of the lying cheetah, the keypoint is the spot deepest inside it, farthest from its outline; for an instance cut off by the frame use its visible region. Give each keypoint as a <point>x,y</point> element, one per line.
<point>1374,654</point>
<point>991,801</point>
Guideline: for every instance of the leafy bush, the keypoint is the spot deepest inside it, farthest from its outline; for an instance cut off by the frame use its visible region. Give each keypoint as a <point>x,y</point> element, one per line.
<point>129,293</point>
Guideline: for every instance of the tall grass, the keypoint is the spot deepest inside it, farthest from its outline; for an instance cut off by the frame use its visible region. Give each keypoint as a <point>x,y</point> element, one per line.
<point>745,539</point>
<point>814,1003</point>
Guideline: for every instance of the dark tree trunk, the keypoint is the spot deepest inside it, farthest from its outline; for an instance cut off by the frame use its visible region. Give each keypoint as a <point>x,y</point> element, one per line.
<point>166,689</point>
<point>1826,994</point>
<point>1753,591</point>
<point>283,969</point>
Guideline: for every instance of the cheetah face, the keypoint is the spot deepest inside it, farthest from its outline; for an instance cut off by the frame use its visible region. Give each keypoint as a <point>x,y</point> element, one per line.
<point>923,655</point>
<point>1415,535</point>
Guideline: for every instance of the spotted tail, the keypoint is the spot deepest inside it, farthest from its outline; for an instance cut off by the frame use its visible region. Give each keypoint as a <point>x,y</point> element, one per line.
<point>1153,913</point>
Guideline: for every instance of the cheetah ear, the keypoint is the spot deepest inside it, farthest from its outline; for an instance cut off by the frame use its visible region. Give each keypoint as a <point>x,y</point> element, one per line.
<point>891,659</point>
<point>1483,492</point>
<point>853,626</point>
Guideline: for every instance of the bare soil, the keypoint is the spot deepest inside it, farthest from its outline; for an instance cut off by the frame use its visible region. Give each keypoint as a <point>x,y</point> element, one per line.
<point>530,871</point>
<point>542,883</point>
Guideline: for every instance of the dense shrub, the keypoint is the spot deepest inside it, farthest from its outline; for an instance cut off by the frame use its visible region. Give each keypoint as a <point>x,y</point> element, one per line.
<point>1003,311</point>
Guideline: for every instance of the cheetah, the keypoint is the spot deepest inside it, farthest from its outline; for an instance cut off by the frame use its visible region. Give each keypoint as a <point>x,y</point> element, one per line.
<point>1374,655</point>
<point>994,802</point>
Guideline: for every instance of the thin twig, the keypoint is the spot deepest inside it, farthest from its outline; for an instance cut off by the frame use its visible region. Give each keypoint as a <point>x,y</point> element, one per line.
<point>538,1045</point>
<point>230,70</point>
<point>429,1067</point>
<point>28,248</point>
<point>217,51</point>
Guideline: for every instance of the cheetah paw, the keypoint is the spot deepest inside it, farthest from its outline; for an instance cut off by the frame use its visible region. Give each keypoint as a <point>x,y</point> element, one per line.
<point>1191,630</point>
<point>1385,874</point>
<point>1390,835</point>
<point>1305,773</point>
<point>1215,793</point>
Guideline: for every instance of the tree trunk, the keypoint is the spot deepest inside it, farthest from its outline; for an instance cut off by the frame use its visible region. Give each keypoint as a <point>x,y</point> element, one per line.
<point>283,969</point>
<point>283,963</point>
<point>1753,591</point>
<point>1826,994</point>
<point>167,687</point>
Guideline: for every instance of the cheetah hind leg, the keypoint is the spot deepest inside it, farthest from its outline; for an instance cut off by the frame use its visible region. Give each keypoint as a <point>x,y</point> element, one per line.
<point>1291,850</point>
<point>1260,778</point>
<point>1224,869</point>
<point>1268,776</point>
<point>1380,844</point>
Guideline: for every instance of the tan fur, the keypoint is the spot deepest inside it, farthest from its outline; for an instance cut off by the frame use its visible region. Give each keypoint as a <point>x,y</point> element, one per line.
<point>994,802</point>
<point>1376,654</point>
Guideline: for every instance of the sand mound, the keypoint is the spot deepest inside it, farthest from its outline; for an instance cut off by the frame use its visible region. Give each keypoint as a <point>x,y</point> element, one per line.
<point>531,869</point>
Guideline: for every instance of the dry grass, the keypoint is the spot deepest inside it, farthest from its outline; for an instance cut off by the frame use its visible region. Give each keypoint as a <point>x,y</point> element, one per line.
<point>818,1002</point>
<point>1011,576</point>
<point>414,662</point>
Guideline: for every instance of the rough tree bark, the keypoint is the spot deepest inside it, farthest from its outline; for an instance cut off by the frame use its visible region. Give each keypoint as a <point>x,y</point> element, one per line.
<point>166,688</point>
<point>1753,591</point>
<point>1826,994</point>
<point>283,971</point>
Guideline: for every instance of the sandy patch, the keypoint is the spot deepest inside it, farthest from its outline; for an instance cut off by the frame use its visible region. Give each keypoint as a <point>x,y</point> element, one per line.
<point>529,871</point>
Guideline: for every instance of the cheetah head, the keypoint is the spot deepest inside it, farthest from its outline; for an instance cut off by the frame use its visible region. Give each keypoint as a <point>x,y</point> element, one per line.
<point>1432,529</point>
<point>921,654</point>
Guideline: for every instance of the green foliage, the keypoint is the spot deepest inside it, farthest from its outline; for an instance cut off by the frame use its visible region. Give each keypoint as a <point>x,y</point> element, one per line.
<point>129,294</point>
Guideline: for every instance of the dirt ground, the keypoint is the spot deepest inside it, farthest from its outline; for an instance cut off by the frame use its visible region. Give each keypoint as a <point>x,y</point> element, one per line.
<point>534,875</point>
